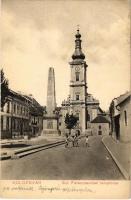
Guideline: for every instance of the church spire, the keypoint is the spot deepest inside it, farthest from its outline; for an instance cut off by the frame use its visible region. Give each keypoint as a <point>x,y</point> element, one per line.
<point>78,54</point>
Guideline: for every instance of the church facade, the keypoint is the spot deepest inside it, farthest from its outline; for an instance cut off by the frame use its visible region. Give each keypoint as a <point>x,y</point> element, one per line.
<point>79,102</point>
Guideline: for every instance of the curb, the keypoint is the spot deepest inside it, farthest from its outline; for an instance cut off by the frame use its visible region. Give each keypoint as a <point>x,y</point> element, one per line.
<point>29,150</point>
<point>5,157</point>
<point>123,171</point>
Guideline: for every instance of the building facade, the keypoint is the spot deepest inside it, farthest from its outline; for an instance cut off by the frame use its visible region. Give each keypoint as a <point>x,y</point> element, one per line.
<point>80,102</point>
<point>17,117</point>
<point>120,112</point>
<point>100,126</point>
<point>14,116</point>
<point>124,107</point>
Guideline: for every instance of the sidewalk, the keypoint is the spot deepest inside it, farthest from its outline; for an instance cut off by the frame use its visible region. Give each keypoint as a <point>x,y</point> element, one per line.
<point>120,152</point>
<point>8,147</point>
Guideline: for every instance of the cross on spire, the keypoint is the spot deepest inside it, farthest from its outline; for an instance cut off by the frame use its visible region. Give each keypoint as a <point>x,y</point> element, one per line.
<point>78,54</point>
<point>78,27</point>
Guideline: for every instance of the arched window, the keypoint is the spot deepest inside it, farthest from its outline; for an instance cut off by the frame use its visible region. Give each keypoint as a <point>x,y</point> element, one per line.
<point>125,117</point>
<point>77,115</point>
<point>77,76</point>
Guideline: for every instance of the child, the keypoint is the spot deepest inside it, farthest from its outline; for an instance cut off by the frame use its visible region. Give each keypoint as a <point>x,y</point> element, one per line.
<point>87,141</point>
<point>76,140</point>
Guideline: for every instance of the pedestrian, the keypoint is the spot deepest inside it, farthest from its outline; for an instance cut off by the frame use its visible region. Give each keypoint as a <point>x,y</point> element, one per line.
<point>66,141</point>
<point>73,141</point>
<point>76,141</point>
<point>87,141</point>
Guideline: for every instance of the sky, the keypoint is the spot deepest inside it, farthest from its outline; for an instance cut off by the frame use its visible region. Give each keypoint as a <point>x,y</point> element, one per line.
<point>38,34</point>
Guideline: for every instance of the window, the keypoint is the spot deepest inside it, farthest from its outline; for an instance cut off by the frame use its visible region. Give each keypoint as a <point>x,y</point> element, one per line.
<point>77,76</point>
<point>77,97</point>
<point>21,110</point>
<point>99,126</point>
<point>14,108</point>
<point>125,117</point>
<point>7,124</point>
<point>77,115</point>
<point>4,122</point>
<point>88,116</point>
<point>1,122</point>
<point>17,109</point>
<point>8,107</point>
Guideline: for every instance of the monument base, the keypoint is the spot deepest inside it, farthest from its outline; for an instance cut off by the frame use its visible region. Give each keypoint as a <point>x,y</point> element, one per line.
<point>50,131</point>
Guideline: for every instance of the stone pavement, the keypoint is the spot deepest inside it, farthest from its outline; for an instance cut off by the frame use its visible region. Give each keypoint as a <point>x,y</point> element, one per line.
<point>120,152</point>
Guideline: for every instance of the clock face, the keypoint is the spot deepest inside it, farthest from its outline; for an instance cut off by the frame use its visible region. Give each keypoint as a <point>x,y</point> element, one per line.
<point>77,68</point>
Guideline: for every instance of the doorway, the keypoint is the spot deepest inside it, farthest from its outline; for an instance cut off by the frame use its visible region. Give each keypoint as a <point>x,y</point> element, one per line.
<point>117,126</point>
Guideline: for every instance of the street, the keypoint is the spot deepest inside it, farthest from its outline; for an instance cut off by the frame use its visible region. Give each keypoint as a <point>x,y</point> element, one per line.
<point>60,163</point>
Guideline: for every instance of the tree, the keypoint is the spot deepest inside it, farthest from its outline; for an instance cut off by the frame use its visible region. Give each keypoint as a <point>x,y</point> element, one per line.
<point>70,121</point>
<point>4,88</point>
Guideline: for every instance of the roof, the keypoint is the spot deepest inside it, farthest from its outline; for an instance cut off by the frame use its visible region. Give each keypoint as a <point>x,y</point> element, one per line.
<point>100,119</point>
<point>123,97</point>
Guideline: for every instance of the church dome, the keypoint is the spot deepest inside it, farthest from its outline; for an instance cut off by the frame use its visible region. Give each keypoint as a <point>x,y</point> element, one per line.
<point>78,54</point>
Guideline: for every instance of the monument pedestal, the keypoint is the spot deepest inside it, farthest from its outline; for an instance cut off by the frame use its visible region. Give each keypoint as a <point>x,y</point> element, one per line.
<point>50,132</point>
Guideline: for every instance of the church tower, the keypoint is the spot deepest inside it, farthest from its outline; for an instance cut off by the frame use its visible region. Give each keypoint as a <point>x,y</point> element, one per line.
<point>78,84</point>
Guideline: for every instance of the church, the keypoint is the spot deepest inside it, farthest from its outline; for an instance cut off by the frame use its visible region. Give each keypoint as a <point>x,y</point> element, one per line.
<point>79,102</point>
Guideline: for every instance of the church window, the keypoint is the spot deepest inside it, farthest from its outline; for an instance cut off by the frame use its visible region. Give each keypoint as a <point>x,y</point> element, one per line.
<point>77,115</point>
<point>77,76</point>
<point>77,97</point>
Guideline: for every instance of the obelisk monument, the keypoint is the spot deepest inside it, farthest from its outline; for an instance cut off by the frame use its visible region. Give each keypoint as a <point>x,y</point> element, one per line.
<point>51,97</point>
<point>50,119</point>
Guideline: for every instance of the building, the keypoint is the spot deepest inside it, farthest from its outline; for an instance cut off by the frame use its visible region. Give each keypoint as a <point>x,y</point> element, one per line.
<point>124,107</point>
<point>18,115</point>
<point>35,116</point>
<point>100,126</point>
<point>14,116</point>
<point>120,112</point>
<point>79,102</point>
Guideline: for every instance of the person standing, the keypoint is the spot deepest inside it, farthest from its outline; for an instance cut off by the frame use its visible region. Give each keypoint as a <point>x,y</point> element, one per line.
<point>76,140</point>
<point>87,141</point>
<point>66,141</point>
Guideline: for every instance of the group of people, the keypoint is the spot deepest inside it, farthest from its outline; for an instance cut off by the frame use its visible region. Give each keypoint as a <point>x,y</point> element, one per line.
<point>74,140</point>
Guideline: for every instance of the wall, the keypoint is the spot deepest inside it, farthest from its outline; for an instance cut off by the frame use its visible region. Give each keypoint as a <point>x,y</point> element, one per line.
<point>104,128</point>
<point>14,118</point>
<point>125,129</point>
